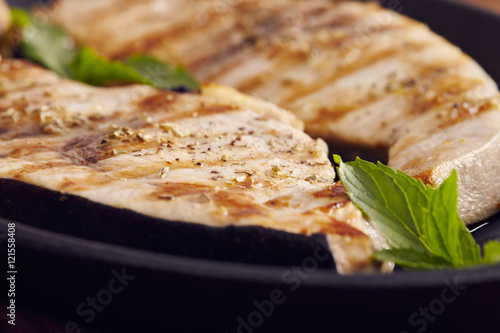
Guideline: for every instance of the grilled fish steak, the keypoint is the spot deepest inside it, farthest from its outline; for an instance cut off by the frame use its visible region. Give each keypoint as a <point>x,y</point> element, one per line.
<point>355,73</point>
<point>219,158</point>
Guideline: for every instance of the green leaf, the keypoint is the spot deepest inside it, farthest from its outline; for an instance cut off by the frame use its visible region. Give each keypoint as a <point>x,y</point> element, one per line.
<point>440,236</point>
<point>492,252</point>
<point>421,224</point>
<point>46,44</point>
<point>50,46</point>
<point>162,75</point>
<point>91,68</point>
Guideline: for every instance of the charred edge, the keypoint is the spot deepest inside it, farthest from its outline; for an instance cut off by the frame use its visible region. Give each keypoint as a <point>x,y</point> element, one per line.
<point>343,229</point>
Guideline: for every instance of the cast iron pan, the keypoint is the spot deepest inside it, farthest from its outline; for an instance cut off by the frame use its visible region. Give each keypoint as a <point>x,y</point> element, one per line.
<point>143,287</point>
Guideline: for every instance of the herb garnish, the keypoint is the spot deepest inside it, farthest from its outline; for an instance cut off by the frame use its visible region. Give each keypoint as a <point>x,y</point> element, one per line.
<point>50,46</point>
<point>421,224</point>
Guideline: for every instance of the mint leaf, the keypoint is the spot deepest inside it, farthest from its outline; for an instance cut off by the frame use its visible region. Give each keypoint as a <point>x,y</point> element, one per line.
<point>52,47</point>
<point>421,224</point>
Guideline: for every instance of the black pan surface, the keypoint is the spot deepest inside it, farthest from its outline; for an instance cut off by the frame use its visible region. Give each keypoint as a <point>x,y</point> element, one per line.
<point>95,284</point>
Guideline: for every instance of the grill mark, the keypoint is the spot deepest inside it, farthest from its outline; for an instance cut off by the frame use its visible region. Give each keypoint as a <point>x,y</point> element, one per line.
<point>236,55</point>
<point>427,79</point>
<point>331,14</point>
<point>336,205</point>
<point>149,42</point>
<point>33,84</point>
<point>271,22</point>
<point>445,94</point>
<point>334,191</point>
<point>426,177</point>
<point>274,22</point>
<point>238,59</point>
<point>216,58</point>
<point>201,111</point>
<point>278,203</point>
<point>238,204</point>
<point>146,43</point>
<point>26,151</point>
<point>95,16</point>
<point>18,105</point>
<point>342,20</point>
<point>95,180</point>
<point>82,150</point>
<point>232,61</point>
<point>210,162</point>
<point>24,133</point>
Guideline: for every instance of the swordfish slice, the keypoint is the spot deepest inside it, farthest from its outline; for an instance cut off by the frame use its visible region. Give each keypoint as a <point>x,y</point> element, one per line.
<point>218,158</point>
<point>355,73</point>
